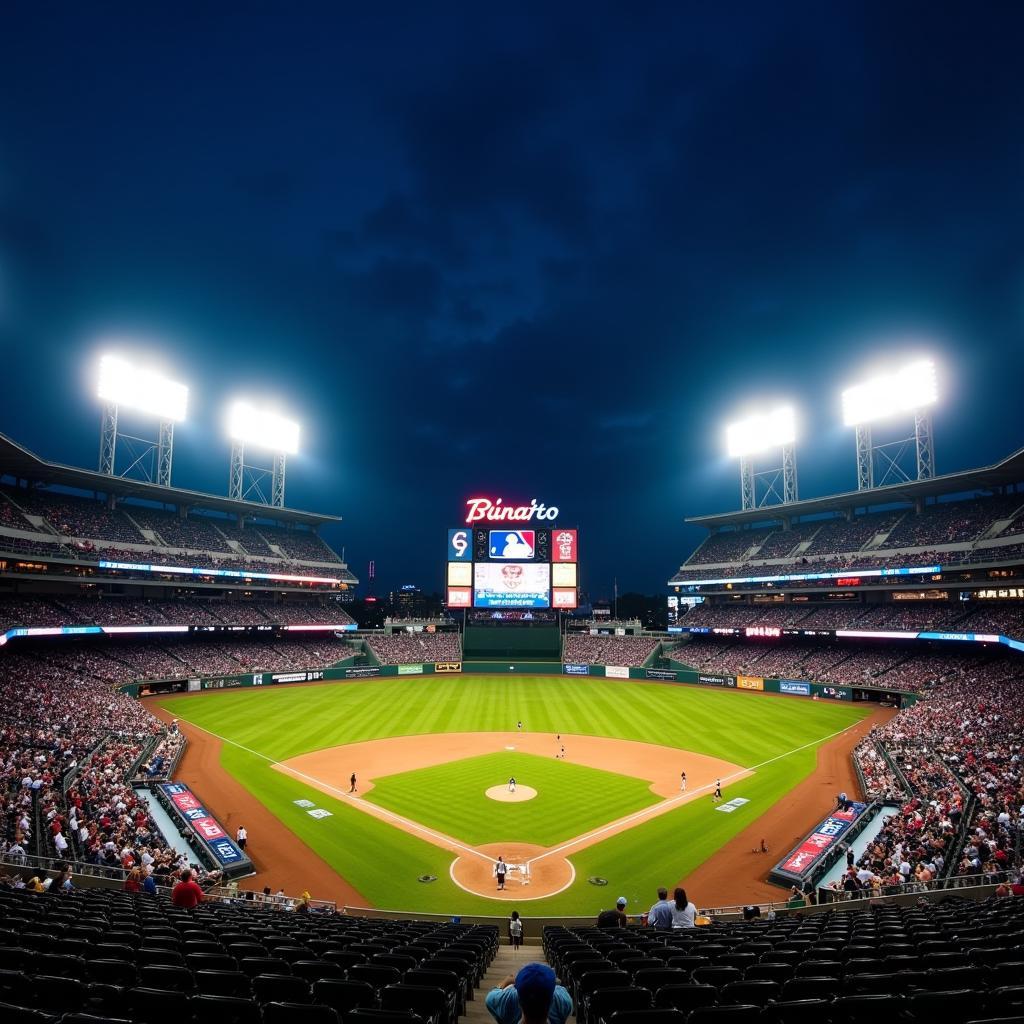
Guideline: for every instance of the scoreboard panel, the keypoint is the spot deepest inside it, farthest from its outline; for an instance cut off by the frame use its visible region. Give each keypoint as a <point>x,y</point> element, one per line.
<point>512,567</point>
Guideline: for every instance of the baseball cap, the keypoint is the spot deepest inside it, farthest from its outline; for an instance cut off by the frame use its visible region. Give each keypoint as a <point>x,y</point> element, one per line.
<point>621,901</point>
<point>535,985</point>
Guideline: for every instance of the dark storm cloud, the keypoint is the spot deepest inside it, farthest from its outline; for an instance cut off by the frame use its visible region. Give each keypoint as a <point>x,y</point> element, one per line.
<point>541,252</point>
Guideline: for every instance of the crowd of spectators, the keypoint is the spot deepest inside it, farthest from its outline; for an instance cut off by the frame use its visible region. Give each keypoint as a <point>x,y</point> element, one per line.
<point>87,529</point>
<point>875,665</point>
<point>72,516</point>
<point>957,752</point>
<point>301,545</point>
<point>836,544</point>
<point>588,649</point>
<point>117,662</point>
<point>412,648</point>
<point>61,610</point>
<point>898,616</point>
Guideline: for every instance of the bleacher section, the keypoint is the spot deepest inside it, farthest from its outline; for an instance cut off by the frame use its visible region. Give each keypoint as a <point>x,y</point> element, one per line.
<point>138,958</point>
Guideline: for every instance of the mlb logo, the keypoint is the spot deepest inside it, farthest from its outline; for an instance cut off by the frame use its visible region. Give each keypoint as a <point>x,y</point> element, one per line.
<point>515,544</point>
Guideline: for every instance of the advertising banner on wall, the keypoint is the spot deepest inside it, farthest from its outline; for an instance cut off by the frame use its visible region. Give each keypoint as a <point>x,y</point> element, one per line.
<point>203,824</point>
<point>660,673</point>
<point>576,670</point>
<point>410,670</point>
<point>794,686</point>
<point>802,861</point>
<point>749,683</point>
<point>837,692</point>
<point>447,666</point>
<point>707,680</point>
<point>616,671</point>
<point>362,672</point>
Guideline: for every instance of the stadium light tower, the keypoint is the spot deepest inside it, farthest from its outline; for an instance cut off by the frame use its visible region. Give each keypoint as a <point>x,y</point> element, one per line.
<point>910,390</point>
<point>248,425</point>
<point>760,433</point>
<point>122,384</point>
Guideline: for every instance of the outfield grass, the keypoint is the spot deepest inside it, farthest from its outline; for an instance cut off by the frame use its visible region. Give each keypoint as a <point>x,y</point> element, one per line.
<point>571,798</point>
<point>752,730</point>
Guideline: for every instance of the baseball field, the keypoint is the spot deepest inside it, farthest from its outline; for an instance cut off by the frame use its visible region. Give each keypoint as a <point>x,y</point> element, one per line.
<point>597,764</point>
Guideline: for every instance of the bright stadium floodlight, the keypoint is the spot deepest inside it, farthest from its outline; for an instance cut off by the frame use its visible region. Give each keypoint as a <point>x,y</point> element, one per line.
<point>758,433</point>
<point>121,383</point>
<point>248,425</point>
<point>267,430</point>
<point>761,432</point>
<point>911,390</point>
<point>142,389</point>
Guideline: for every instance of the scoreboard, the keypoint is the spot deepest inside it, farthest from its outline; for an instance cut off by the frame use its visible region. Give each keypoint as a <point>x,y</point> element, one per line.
<point>491,566</point>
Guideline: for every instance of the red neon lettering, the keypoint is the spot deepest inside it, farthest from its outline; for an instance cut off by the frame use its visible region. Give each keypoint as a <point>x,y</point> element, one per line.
<point>486,510</point>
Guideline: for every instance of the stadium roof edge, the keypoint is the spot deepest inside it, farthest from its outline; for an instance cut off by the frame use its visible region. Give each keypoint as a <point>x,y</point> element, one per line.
<point>19,462</point>
<point>1009,471</point>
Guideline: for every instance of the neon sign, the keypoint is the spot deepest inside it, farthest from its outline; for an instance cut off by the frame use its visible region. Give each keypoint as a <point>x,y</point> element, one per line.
<point>771,631</point>
<point>483,509</point>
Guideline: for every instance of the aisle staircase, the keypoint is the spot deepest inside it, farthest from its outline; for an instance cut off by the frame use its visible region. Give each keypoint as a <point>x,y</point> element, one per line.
<point>506,962</point>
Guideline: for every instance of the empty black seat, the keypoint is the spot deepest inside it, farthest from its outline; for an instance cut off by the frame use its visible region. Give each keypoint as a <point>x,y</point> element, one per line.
<point>653,978</point>
<point>606,1001</point>
<point>169,979</point>
<point>344,995</point>
<point>717,976</point>
<point>797,1011</point>
<point>11,1013</point>
<point>59,995</point>
<point>866,1009</point>
<point>280,988</point>
<point>769,972</point>
<point>810,988</point>
<point>298,1013</point>
<point>224,983</point>
<point>156,1006</point>
<point>253,966</point>
<point>430,1002</point>
<point>652,1016</point>
<point>213,1009</point>
<point>368,1015</point>
<point>725,1015</point>
<point>760,993</point>
<point>375,974</point>
<point>685,997</point>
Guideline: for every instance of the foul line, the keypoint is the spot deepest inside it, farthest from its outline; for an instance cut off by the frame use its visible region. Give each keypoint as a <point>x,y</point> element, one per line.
<point>666,805</point>
<point>374,810</point>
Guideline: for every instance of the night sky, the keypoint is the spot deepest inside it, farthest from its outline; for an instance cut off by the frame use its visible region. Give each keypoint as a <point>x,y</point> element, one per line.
<point>544,251</point>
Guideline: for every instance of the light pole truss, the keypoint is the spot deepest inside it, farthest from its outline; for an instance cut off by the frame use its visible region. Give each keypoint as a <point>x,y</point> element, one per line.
<point>775,486</point>
<point>146,459</point>
<point>262,484</point>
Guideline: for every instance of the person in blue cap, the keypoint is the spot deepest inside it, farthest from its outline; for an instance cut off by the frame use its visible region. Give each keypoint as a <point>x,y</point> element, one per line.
<point>533,996</point>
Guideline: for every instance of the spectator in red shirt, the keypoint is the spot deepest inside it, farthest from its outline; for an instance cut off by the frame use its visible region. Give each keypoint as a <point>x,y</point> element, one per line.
<point>186,893</point>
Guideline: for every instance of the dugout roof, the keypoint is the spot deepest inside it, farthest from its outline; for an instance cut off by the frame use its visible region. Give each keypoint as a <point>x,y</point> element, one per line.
<point>20,463</point>
<point>989,478</point>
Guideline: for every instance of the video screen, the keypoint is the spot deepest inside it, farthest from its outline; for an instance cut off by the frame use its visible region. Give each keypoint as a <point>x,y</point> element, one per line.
<point>511,585</point>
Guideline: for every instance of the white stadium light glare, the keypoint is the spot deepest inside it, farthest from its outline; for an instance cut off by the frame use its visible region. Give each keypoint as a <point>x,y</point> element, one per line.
<point>123,384</point>
<point>264,429</point>
<point>912,387</point>
<point>775,429</point>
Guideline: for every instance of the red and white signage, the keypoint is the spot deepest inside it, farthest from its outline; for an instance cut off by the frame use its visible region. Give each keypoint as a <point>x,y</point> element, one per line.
<point>563,546</point>
<point>495,511</point>
<point>563,597</point>
<point>460,597</point>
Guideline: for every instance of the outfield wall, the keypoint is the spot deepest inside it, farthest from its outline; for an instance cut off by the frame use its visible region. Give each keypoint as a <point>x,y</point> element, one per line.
<point>676,674</point>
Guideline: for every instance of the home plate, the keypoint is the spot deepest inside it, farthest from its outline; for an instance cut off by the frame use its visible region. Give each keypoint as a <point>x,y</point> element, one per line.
<point>510,748</point>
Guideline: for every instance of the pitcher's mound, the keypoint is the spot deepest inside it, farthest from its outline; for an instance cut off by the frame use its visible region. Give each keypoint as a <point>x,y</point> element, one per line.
<point>502,793</point>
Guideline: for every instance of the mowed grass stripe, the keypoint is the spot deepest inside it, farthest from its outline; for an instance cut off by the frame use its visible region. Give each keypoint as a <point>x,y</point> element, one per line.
<point>384,863</point>
<point>571,799</point>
